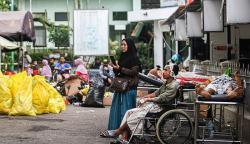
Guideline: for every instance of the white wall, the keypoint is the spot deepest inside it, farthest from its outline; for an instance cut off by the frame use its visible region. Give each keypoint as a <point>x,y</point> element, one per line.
<point>218,38</point>
<point>111,5</point>
<point>158,45</point>
<point>52,6</point>
<point>136,5</point>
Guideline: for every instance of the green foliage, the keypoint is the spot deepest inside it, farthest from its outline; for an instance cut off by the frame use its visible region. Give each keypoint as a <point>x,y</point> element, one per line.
<point>38,56</point>
<point>228,71</point>
<point>114,47</point>
<point>59,35</point>
<point>146,55</point>
<point>4,5</point>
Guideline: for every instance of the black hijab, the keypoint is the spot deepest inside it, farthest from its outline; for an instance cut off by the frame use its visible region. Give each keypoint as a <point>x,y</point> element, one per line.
<point>129,58</point>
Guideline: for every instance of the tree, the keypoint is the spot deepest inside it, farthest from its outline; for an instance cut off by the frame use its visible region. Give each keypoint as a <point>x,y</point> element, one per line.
<point>59,35</point>
<point>145,52</point>
<point>4,5</point>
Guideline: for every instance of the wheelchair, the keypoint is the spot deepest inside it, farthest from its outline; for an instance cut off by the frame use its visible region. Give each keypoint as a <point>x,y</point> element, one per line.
<point>172,125</point>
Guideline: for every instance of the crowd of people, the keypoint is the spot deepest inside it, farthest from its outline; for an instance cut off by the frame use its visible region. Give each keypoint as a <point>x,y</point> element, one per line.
<point>125,110</point>
<point>52,69</point>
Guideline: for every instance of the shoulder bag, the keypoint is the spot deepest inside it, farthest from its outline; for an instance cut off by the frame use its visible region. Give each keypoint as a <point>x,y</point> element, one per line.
<point>119,84</point>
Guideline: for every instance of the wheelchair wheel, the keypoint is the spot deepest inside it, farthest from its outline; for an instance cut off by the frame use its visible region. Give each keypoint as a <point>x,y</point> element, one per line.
<point>174,127</point>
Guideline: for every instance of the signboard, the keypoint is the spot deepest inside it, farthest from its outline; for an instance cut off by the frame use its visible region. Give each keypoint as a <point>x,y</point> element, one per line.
<point>91,32</point>
<point>151,14</point>
<point>180,30</point>
<point>213,18</point>
<point>168,3</point>
<point>238,11</point>
<point>194,24</point>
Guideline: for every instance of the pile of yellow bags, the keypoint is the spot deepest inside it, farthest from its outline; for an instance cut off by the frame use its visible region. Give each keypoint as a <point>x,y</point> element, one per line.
<point>25,95</point>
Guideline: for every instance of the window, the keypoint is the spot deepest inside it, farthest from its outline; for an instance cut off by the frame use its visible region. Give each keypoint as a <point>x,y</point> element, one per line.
<point>149,4</point>
<point>40,32</point>
<point>61,16</point>
<point>120,16</point>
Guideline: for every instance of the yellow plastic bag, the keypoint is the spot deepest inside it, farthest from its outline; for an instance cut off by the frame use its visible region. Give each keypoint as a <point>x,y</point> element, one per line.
<point>56,103</point>
<point>23,97</point>
<point>16,81</point>
<point>40,95</point>
<point>5,95</point>
<point>85,90</point>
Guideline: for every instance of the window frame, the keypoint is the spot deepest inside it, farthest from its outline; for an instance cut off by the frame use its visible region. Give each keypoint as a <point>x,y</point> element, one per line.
<point>126,16</point>
<point>41,28</point>
<point>67,16</point>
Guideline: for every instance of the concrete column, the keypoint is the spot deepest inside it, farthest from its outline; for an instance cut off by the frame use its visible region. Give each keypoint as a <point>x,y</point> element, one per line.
<point>158,45</point>
<point>21,5</point>
<point>136,5</point>
<point>78,4</point>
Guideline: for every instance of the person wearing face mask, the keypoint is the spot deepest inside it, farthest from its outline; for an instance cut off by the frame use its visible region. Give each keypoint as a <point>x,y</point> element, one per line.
<point>106,72</point>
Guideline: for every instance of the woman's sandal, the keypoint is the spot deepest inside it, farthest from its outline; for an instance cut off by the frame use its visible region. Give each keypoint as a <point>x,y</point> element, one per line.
<point>108,134</point>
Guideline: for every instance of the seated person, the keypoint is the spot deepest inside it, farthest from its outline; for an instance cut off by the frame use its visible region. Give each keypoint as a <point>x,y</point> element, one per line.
<point>106,72</point>
<point>81,70</point>
<point>35,68</point>
<point>232,86</point>
<point>63,68</point>
<point>149,103</point>
<point>155,73</point>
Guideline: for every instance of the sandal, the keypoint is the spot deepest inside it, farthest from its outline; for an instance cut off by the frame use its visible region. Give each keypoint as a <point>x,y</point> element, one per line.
<point>121,141</point>
<point>108,134</point>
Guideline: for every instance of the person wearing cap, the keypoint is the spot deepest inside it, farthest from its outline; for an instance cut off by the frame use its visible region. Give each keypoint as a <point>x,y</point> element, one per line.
<point>106,72</point>
<point>149,103</point>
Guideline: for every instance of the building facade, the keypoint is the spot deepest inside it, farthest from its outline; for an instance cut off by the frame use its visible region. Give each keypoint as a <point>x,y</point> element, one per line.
<point>62,12</point>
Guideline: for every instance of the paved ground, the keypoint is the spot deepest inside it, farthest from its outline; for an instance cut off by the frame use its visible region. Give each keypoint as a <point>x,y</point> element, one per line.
<point>76,125</point>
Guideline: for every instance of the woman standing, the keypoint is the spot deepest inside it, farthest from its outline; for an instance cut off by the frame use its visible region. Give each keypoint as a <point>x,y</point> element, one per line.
<point>127,67</point>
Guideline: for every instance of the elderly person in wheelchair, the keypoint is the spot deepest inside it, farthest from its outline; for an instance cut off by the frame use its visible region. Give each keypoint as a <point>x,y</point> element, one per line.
<point>149,103</point>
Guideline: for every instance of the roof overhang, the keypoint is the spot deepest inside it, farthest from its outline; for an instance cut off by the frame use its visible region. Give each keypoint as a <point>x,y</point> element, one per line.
<point>7,45</point>
<point>192,5</point>
<point>151,14</point>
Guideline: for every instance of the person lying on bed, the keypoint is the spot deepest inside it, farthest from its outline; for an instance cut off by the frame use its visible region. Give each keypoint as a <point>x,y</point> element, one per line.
<point>224,84</point>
